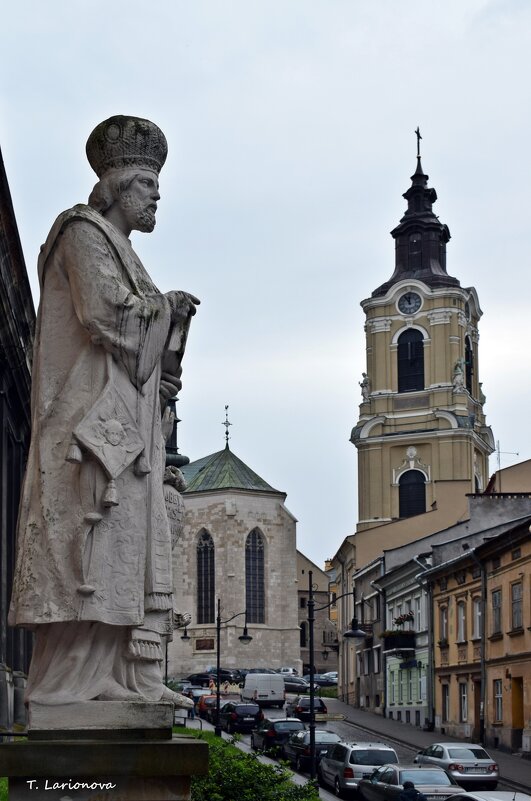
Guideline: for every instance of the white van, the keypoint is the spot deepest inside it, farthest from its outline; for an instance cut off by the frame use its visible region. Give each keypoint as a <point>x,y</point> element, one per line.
<point>265,689</point>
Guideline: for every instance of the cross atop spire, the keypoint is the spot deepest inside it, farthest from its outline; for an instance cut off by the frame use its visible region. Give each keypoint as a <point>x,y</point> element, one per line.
<point>419,137</point>
<point>226,423</point>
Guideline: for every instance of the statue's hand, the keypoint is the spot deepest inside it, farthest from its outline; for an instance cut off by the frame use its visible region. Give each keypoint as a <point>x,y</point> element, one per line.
<point>169,386</point>
<point>183,304</point>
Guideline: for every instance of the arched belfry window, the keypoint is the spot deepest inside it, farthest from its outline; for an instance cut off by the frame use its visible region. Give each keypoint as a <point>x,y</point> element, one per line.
<point>254,577</point>
<point>410,361</point>
<point>205,578</point>
<point>411,493</point>
<point>469,364</point>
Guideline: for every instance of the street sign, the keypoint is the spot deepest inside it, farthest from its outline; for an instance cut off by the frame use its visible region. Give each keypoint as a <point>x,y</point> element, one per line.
<point>330,716</point>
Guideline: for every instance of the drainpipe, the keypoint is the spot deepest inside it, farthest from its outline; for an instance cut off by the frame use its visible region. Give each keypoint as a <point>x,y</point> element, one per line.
<point>383,615</point>
<point>482,647</point>
<point>430,667</point>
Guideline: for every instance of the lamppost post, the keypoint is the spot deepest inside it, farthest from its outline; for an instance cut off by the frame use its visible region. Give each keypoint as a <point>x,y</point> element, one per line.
<point>311,621</point>
<point>244,638</point>
<point>217,728</point>
<point>353,632</point>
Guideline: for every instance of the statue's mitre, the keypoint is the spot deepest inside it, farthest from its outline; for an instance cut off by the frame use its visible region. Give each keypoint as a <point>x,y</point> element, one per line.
<point>126,142</point>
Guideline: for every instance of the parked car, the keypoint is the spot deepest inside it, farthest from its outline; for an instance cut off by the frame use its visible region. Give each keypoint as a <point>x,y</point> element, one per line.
<point>297,748</point>
<point>321,679</point>
<point>296,684</point>
<point>332,674</point>
<point>271,734</point>
<point>387,782</point>
<point>491,795</point>
<point>261,670</point>
<point>265,689</point>
<point>289,671</point>
<point>469,764</point>
<point>348,763</point>
<point>237,716</point>
<point>203,679</point>
<point>205,705</point>
<point>300,707</point>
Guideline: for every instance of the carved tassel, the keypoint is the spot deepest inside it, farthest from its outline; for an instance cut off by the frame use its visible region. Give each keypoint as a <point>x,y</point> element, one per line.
<point>110,496</point>
<point>142,466</point>
<point>74,454</point>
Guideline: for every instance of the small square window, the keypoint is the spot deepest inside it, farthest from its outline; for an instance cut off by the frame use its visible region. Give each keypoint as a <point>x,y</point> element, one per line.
<point>516,554</point>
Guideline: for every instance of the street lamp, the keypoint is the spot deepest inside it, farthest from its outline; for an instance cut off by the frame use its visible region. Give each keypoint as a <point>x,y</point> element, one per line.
<point>353,632</point>
<point>244,638</point>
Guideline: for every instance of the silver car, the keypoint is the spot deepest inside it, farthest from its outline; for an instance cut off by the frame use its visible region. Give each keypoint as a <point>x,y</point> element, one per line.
<point>387,783</point>
<point>470,765</point>
<point>346,764</point>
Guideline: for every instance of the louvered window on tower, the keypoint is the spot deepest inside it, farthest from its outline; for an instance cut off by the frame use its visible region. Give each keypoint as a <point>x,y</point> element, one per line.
<point>410,361</point>
<point>469,364</point>
<point>411,493</point>
<point>205,578</point>
<point>254,577</point>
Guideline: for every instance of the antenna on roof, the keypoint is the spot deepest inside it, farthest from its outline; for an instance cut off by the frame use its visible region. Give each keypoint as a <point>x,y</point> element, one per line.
<point>226,423</point>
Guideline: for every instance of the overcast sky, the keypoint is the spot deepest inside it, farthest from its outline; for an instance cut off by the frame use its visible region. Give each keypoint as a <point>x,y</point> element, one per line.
<point>291,140</point>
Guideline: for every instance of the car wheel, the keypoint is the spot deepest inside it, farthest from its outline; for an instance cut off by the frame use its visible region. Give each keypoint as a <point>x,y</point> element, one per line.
<point>229,728</point>
<point>298,765</point>
<point>320,779</point>
<point>337,788</point>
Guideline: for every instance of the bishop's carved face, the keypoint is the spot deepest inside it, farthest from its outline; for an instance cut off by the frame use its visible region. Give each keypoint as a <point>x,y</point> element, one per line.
<point>138,202</point>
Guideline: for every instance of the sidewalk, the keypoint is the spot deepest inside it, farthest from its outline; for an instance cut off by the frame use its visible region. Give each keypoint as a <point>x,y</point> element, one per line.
<point>512,768</point>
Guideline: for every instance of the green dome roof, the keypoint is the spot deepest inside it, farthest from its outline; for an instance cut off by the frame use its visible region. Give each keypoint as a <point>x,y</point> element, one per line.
<point>223,470</point>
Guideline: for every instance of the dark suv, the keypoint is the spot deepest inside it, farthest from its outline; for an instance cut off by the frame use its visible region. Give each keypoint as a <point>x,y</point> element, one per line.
<point>271,734</point>
<point>300,707</point>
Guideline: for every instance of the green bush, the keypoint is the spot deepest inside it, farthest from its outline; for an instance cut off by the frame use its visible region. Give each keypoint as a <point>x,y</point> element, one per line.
<point>328,692</point>
<point>236,776</point>
<point>3,789</point>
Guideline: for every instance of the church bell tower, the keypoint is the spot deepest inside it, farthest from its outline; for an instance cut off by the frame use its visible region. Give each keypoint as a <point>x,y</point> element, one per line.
<point>421,418</point>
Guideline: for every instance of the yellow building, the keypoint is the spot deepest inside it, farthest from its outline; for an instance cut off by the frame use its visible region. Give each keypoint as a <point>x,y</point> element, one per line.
<point>482,636</point>
<point>421,436</point>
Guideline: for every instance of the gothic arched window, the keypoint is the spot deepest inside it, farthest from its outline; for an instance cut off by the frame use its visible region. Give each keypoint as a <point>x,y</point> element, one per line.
<point>411,493</point>
<point>410,361</point>
<point>254,577</point>
<point>469,364</point>
<point>205,578</point>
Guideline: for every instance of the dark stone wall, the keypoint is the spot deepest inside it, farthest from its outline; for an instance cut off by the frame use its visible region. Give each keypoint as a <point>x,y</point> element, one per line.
<point>17,326</point>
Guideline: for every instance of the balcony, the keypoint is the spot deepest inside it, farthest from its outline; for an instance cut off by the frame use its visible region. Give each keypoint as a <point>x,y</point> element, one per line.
<point>399,642</point>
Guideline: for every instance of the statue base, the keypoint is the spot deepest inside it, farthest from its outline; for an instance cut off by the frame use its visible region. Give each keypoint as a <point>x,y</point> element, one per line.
<point>100,719</point>
<point>102,769</point>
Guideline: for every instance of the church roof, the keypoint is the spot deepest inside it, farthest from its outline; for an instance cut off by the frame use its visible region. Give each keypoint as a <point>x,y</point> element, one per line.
<point>223,470</point>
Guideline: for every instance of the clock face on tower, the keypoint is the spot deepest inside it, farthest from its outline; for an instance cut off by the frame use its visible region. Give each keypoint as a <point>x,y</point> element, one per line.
<point>409,303</point>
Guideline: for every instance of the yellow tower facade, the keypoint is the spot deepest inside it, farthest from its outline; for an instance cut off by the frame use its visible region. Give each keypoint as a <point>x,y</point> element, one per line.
<point>421,436</point>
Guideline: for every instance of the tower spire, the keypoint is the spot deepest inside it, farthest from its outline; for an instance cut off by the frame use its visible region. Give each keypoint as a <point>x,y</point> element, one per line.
<point>420,237</point>
<point>226,423</point>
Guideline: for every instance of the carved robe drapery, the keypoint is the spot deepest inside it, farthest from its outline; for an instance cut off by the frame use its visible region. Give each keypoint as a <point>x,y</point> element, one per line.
<point>102,331</point>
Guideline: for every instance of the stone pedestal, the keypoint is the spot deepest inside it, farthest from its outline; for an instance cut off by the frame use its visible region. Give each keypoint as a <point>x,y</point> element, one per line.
<point>102,770</point>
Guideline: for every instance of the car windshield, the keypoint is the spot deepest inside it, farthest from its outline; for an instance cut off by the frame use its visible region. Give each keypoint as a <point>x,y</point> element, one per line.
<point>247,709</point>
<point>421,777</point>
<point>289,725</point>
<point>372,756</point>
<point>326,737</point>
<point>467,753</point>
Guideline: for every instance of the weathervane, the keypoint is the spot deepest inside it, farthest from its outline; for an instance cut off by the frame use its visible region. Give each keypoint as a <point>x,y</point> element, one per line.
<point>419,137</point>
<point>226,423</point>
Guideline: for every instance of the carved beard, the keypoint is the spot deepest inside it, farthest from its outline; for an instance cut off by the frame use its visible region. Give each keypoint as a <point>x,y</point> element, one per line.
<point>141,218</point>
